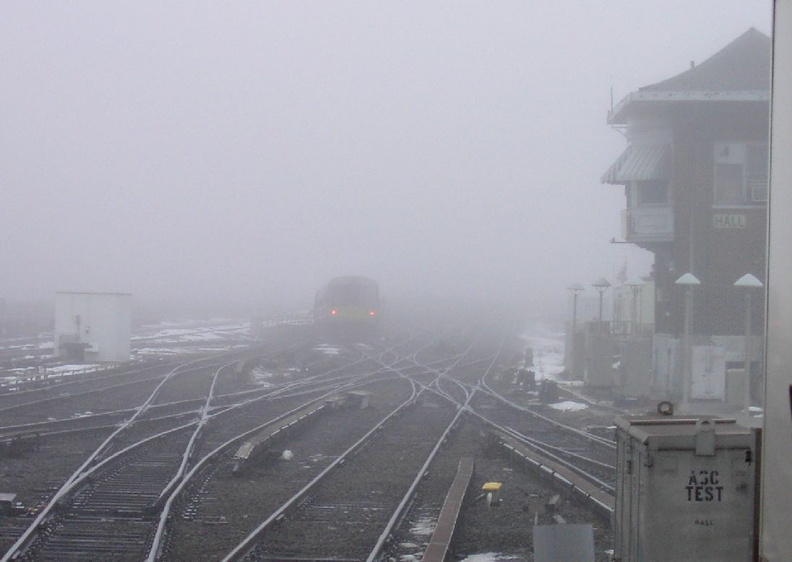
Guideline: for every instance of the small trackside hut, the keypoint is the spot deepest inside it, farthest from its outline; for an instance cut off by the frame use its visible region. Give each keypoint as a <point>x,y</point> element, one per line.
<point>685,490</point>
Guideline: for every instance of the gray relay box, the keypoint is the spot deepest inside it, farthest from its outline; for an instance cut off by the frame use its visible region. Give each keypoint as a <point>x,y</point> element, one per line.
<point>685,490</point>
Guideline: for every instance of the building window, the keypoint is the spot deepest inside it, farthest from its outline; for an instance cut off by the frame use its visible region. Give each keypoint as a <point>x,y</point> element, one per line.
<point>653,192</point>
<point>648,193</point>
<point>740,174</point>
<point>756,172</point>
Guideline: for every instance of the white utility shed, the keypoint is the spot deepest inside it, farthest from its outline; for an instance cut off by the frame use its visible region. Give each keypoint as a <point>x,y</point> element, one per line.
<point>94,327</point>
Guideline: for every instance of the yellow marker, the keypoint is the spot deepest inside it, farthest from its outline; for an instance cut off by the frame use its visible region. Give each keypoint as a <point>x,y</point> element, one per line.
<point>492,491</point>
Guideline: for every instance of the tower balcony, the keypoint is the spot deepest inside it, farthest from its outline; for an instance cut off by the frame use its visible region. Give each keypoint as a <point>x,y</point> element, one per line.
<point>648,224</point>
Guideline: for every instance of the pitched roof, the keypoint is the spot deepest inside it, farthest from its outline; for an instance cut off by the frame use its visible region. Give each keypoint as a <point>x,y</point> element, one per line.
<point>742,65</point>
<point>739,72</point>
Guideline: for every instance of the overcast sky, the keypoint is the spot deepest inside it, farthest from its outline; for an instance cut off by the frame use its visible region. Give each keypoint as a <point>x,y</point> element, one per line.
<point>250,151</point>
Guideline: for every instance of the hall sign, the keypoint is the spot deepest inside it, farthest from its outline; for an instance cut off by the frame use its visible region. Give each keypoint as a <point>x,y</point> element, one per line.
<point>728,221</point>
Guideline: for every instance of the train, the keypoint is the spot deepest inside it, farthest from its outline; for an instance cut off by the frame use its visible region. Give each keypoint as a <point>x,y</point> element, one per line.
<point>348,305</point>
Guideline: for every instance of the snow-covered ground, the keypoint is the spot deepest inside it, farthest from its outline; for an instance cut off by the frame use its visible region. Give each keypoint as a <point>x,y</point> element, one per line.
<point>327,349</point>
<point>547,344</point>
<point>160,340</point>
<point>569,406</point>
<point>15,376</point>
<point>548,350</point>
<point>190,331</point>
<point>489,557</point>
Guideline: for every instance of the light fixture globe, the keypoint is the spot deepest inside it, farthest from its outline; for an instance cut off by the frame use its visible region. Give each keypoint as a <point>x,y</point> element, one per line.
<point>748,281</point>
<point>635,282</point>
<point>688,279</point>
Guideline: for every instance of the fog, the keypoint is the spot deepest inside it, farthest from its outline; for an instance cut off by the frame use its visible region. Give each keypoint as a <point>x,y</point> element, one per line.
<point>247,152</point>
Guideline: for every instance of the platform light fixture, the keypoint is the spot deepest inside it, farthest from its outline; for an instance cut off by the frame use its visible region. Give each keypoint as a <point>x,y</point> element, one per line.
<point>688,281</point>
<point>749,283</point>
<point>601,285</point>
<point>575,289</point>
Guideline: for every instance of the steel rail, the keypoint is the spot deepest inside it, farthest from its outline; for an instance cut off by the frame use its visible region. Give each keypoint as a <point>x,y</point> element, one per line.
<point>600,440</point>
<point>58,427</point>
<point>189,449</point>
<point>559,450</point>
<point>156,546</point>
<point>551,472</point>
<point>544,449</point>
<point>567,484</point>
<point>50,399</point>
<point>249,542</point>
<point>75,478</point>
<point>400,510</point>
<point>398,514</point>
<point>82,379</point>
<point>357,381</point>
<point>83,472</point>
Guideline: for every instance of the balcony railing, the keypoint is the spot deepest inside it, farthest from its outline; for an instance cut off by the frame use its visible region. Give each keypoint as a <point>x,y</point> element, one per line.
<point>648,224</point>
<point>629,328</point>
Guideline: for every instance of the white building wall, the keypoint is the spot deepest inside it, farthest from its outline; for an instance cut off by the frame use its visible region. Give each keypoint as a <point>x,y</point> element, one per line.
<point>634,306</point>
<point>102,321</point>
<point>776,515</point>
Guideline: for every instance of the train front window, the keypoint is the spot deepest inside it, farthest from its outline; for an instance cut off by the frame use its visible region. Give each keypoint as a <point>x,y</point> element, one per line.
<point>348,294</point>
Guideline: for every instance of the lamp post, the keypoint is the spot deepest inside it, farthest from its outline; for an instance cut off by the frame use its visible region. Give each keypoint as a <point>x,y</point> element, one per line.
<point>575,289</point>
<point>636,284</point>
<point>688,281</point>
<point>601,285</point>
<point>748,282</point>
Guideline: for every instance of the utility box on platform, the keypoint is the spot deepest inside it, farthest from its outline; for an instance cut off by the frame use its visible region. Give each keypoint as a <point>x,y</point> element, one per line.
<point>685,490</point>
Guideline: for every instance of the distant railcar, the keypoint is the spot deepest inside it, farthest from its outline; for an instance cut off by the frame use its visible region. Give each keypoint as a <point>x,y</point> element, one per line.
<point>348,304</point>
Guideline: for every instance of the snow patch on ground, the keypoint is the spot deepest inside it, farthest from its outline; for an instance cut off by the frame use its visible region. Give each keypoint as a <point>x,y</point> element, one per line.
<point>261,378</point>
<point>425,526</point>
<point>157,351</point>
<point>488,557</point>
<point>327,349</point>
<point>569,406</point>
<point>207,336</point>
<point>187,332</point>
<point>71,369</point>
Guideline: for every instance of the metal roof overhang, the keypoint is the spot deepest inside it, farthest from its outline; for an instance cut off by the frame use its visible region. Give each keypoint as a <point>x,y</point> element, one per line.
<point>646,98</point>
<point>639,163</point>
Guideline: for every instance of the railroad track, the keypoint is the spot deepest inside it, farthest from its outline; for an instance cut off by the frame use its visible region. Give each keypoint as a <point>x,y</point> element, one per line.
<point>86,383</point>
<point>362,371</point>
<point>199,510</point>
<point>574,459</point>
<point>99,475</point>
<point>415,430</point>
<point>370,488</point>
<point>218,510</point>
<point>98,469</point>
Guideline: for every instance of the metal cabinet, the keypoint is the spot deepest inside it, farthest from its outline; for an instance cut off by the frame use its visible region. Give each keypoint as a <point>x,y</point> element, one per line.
<point>685,490</point>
